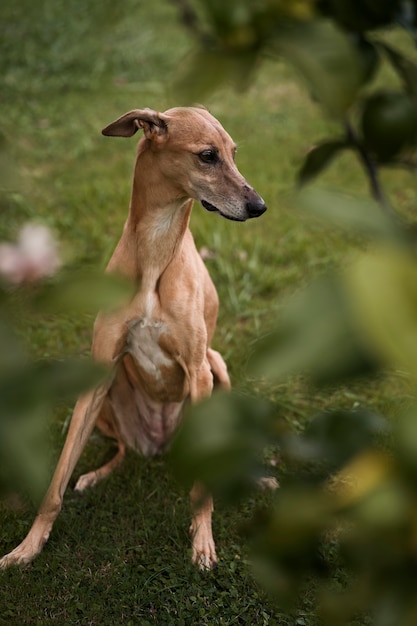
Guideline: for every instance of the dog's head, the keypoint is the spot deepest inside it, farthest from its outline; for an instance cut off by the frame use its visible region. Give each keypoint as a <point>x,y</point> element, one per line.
<point>197,155</point>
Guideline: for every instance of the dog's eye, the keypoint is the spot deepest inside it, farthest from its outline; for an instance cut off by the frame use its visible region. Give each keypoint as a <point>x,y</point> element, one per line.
<point>208,156</point>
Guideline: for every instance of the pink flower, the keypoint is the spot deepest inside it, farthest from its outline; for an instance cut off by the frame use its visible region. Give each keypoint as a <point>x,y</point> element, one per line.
<point>35,255</point>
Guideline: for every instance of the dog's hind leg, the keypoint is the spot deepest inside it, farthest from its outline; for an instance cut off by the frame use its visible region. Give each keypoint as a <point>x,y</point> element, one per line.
<point>82,423</point>
<point>105,422</point>
<point>219,369</point>
<point>204,550</point>
<point>95,476</point>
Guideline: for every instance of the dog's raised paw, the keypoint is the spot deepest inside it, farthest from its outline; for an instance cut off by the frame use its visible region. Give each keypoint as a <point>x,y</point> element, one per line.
<point>86,481</point>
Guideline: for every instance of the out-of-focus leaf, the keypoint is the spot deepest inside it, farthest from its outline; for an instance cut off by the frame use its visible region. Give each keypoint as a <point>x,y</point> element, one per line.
<point>385,507</point>
<point>286,540</point>
<point>318,159</point>
<point>82,291</point>
<point>361,15</point>
<point>220,443</point>
<point>298,515</point>
<point>232,21</point>
<point>388,124</point>
<point>46,383</point>
<point>24,458</point>
<point>316,336</point>
<point>382,288</point>
<point>369,57</point>
<point>405,441</point>
<point>27,394</point>
<point>333,437</point>
<point>363,217</point>
<point>208,69</point>
<point>326,58</point>
<point>63,380</point>
<point>406,68</point>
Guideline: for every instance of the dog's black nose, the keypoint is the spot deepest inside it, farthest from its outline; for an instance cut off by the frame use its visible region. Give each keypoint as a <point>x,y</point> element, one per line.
<point>255,208</point>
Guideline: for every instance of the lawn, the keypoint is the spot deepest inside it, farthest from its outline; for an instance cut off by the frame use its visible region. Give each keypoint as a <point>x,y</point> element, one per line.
<point>120,553</point>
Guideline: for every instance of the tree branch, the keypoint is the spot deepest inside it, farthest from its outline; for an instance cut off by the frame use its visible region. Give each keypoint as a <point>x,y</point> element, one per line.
<point>371,170</point>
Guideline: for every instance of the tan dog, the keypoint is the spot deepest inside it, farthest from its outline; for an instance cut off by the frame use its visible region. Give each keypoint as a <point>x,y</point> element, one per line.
<point>159,344</point>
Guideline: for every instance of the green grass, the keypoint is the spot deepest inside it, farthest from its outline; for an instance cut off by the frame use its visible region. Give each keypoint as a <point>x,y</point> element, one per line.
<point>120,553</point>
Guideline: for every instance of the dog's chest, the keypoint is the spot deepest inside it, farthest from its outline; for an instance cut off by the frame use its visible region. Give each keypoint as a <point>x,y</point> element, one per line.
<point>158,388</point>
<point>160,375</point>
<point>143,345</point>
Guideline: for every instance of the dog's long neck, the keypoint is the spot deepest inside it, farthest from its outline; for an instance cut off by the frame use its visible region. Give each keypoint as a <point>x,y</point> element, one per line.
<point>159,216</point>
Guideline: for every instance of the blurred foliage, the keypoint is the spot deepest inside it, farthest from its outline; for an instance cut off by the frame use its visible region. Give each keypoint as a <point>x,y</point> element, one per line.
<point>29,389</point>
<point>350,498</point>
<point>224,436</point>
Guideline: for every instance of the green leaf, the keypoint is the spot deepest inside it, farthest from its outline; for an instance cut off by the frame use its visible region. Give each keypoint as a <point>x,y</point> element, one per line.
<point>286,540</point>
<point>357,216</point>
<point>220,443</point>
<point>46,383</point>
<point>406,68</point>
<point>369,57</point>
<point>228,18</point>
<point>209,69</point>
<point>27,394</point>
<point>382,290</point>
<point>316,335</point>
<point>64,380</point>
<point>24,458</point>
<point>333,437</point>
<point>82,291</point>
<point>318,159</point>
<point>326,58</point>
<point>406,440</point>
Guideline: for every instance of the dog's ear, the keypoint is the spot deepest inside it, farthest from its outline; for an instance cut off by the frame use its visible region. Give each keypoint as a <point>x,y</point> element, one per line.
<point>154,124</point>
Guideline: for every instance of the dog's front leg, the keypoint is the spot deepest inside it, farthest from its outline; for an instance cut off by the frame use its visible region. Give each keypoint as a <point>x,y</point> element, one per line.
<point>82,423</point>
<point>204,551</point>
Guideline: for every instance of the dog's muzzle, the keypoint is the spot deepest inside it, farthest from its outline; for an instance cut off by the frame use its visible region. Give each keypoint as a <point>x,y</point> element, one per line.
<point>255,209</point>
<point>252,209</point>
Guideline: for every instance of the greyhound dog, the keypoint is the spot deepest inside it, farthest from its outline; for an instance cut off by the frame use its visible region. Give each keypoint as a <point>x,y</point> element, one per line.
<point>158,345</point>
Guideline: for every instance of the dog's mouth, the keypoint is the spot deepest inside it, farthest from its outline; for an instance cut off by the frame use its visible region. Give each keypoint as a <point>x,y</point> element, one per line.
<point>214,209</point>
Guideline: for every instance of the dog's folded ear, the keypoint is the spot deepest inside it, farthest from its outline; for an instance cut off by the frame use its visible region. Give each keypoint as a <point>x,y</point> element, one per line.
<point>154,124</point>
